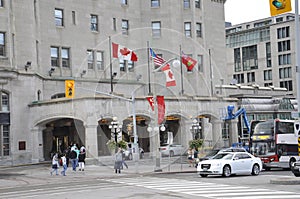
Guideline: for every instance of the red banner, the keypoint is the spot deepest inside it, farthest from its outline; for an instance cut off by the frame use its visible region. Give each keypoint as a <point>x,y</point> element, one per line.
<point>151,102</point>
<point>161,108</point>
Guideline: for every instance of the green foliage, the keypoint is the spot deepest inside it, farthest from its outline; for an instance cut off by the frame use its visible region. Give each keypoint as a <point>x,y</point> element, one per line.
<point>195,143</point>
<point>111,144</point>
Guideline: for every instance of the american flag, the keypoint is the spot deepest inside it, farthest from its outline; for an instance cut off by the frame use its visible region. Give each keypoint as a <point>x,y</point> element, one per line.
<point>158,61</point>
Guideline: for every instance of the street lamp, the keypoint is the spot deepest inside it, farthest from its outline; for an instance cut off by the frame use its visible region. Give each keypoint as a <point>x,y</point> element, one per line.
<point>115,128</point>
<point>195,128</point>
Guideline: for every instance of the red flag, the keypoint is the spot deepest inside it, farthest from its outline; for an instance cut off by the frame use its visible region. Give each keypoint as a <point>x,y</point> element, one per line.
<point>170,79</point>
<point>123,52</point>
<point>151,102</point>
<point>161,109</point>
<point>188,62</point>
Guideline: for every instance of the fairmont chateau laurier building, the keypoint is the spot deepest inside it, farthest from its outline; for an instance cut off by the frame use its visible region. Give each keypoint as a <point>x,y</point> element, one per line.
<point>43,43</point>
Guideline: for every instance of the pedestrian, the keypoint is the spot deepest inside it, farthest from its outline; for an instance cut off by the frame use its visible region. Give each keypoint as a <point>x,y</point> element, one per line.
<point>64,164</point>
<point>67,153</point>
<point>118,161</point>
<point>81,160</point>
<point>123,160</point>
<point>190,157</point>
<point>73,157</point>
<point>55,164</point>
<point>196,156</point>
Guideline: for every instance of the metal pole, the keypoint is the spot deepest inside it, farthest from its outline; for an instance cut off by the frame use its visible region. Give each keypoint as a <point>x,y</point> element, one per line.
<point>211,74</point>
<point>110,67</point>
<point>135,141</point>
<point>181,71</point>
<point>116,139</point>
<point>297,54</point>
<point>149,80</point>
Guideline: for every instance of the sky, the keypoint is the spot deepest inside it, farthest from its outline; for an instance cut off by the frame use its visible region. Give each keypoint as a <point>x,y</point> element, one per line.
<point>236,11</point>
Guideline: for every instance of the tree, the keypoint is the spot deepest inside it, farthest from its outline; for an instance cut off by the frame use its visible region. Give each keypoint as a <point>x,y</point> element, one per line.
<point>195,143</point>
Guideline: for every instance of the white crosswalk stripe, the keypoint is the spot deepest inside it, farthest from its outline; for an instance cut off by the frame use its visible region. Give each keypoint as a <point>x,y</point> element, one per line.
<point>205,189</point>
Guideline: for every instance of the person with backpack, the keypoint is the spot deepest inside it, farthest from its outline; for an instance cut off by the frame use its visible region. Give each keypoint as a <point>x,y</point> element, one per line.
<point>73,158</point>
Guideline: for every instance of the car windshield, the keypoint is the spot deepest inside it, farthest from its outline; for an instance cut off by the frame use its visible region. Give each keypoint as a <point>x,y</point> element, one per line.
<point>212,153</point>
<point>225,156</point>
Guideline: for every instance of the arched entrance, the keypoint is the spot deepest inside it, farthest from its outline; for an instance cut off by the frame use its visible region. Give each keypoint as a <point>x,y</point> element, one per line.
<point>169,130</point>
<point>59,134</point>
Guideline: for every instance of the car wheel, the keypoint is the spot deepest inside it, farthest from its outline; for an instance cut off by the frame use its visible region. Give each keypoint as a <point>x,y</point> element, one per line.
<point>226,171</point>
<point>255,170</point>
<point>297,174</point>
<point>203,175</point>
<point>130,156</point>
<point>292,160</point>
<point>171,153</point>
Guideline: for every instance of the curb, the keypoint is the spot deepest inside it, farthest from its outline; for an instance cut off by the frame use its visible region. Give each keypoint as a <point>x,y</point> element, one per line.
<point>285,181</point>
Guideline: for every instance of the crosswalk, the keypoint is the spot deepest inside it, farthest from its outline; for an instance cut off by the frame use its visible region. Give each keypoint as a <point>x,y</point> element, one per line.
<point>205,189</point>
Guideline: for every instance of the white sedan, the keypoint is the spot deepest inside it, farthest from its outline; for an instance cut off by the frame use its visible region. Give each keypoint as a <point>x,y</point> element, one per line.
<point>229,163</point>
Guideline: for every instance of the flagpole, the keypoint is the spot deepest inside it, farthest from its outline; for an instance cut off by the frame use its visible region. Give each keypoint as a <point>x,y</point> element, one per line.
<point>181,71</point>
<point>149,82</point>
<point>110,66</point>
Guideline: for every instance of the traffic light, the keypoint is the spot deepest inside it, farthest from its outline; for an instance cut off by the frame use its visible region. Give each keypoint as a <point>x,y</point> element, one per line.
<point>69,88</point>
<point>280,6</point>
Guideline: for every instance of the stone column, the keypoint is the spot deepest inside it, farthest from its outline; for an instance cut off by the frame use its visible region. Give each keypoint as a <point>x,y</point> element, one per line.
<point>206,129</point>
<point>216,133</point>
<point>37,145</point>
<point>233,131</point>
<point>91,142</point>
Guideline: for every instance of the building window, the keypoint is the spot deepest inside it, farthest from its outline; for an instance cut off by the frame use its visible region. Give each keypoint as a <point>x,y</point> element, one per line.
<point>284,59</point>
<point>156,29</point>
<point>100,62</point>
<point>268,84</point>
<point>268,75</point>
<point>94,23</point>
<point>90,59</point>
<point>285,72</point>
<point>114,24</point>
<point>284,46</point>
<point>237,60</point>
<point>122,65</point>
<point>155,3</point>
<point>187,29</point>
<point>4,105</point>
<point>65,57</point>
<point>198,29</point>
<point>54,56</point>
<point>283,32</point>
<point>124,2</point>
<point>59,20</point>
<point>198,3</point>
<point>251,77</point>
<point>2,44</point>
<point>73,17</point>
<point>239,78</point>
<point>130,66</point>
<point>200,63</point>
<point>186,3</point>
<point>5,148</point>
<point>125,27</point>
<point>249,56</point>
<point>287,84</point>
<point>268,54</point>
<point>1,3</point>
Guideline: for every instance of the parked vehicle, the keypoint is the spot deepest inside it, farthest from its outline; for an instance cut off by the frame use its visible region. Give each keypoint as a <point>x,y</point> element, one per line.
<point>296,169</point>
<point>228,163</point>
<point>171,149</point>
<point>214,152</point>
<point>129,152</point>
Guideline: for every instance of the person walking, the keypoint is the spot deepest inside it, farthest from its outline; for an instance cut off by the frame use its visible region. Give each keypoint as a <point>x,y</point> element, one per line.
<point>64,164</point>
<point>81,160</point>
<point>196,156</point>
<point>118,161</point>
<point>73,158</point>
<point>190,157</point>
<point>55,164</point>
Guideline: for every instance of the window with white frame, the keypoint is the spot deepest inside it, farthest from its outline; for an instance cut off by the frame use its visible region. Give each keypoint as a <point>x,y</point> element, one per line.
<point>90,59</point>
<point>130,66</point>
<point>99,61</point>
<point>2,44</point>
<point>187,29</point>
<point>268,75</point>
<point>198,29</point>
<point>125,26</point>
<point>200,63</point>
<point>156,29</point>
<point>198,3</point>
<point>186,3</point>
<point>94,23</point>
<point>155,3</point>
<point>4,105</point>
<point>95,59</point>
<point>54,56</point>
<point>5,134</point>
<point>59,20</point>
<point>122,65</point>
<point>65,57</point>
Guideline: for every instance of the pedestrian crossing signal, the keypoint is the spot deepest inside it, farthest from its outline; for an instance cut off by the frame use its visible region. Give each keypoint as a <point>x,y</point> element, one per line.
<point>280,6</point>
<point>69,88</point>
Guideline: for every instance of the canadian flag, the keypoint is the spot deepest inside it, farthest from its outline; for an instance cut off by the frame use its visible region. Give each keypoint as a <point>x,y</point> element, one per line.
<point>122,52</point>
<point>170,79</point>
<point>151,102</point>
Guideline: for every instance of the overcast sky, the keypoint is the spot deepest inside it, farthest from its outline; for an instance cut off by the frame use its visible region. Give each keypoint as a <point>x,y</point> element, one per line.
<point>239,11</point>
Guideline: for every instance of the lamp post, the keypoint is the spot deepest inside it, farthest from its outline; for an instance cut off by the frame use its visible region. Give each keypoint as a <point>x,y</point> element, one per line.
<point>115,128</point>
<point>195,128</point>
